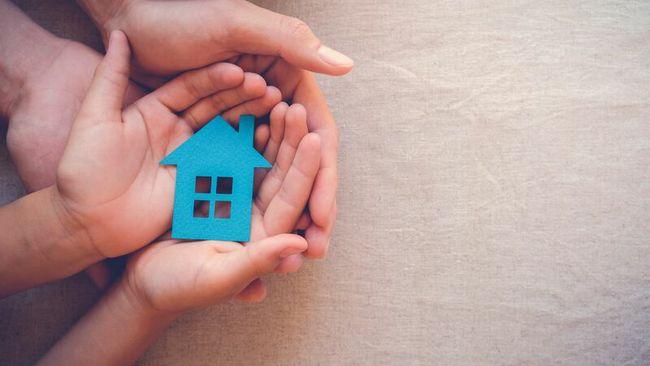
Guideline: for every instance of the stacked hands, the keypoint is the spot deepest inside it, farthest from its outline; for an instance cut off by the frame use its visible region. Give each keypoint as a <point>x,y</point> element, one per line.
<point>87,140</point>
<point>113,196</point>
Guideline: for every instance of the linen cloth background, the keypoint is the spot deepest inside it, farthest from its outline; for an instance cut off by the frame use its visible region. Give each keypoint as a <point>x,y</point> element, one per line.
<point>494,197</point>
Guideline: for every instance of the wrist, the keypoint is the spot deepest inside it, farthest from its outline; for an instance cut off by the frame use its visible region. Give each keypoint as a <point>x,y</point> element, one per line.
<point>40,242</point>
<point>135,301</point>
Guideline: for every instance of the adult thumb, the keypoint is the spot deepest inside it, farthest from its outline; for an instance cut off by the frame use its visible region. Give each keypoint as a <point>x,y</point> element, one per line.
<point>106,92</point>
<point>259,31</point>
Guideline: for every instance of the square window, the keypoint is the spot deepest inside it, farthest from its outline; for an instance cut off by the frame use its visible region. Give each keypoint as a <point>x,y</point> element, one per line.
<point>201,208</point>
<point>202,184</point>
<point>224,185</point>
<point>222,210</point>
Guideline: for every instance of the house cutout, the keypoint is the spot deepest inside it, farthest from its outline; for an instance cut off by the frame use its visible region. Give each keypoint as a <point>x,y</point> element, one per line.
<point>214,171</point>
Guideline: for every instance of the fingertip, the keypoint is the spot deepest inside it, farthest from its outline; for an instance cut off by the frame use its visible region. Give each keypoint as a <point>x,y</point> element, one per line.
<point>297,112</point>
<point>273,94</point>
<point>318,240</point>
<point>277,113</point>
<point>230,75</point>
<point>262,134</point>
<point>311,142</point>
<point>294,244</point>
<point>339,64</point>
<point>253,84</point>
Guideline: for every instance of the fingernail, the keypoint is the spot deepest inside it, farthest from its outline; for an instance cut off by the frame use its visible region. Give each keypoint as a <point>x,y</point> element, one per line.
<point>290,251</point>
<point>333,57</point>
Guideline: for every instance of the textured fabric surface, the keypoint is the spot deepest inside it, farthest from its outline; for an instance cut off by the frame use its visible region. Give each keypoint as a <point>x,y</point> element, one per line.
<point>494,201</point>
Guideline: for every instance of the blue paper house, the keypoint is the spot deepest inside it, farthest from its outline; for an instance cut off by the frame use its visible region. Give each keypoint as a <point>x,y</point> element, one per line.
<point>214,170</point>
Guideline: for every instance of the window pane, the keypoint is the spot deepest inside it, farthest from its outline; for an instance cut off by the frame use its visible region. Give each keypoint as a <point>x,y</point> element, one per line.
<point>224,185</point>
<point>203,184</point>
<point>201,208</point>
<point>222,210</point>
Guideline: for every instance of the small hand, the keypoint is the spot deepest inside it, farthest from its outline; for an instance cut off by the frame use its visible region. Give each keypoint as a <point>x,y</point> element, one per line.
<point>109,178</point>
<point>300,86</point>
<point>174,276</point>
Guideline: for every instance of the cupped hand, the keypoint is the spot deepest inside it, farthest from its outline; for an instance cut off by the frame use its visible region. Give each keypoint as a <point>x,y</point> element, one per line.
<point>109,179</point>
<point>300,86</point>
<point>168,37</point>
<point>174,276</point>
<point>281,48</point>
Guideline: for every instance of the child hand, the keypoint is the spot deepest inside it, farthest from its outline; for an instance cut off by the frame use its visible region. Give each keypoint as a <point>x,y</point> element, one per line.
<point>173,276</point>
<point>109,180</point>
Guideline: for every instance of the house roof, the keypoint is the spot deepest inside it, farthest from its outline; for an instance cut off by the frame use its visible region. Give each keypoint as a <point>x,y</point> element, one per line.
<point>218,143</point>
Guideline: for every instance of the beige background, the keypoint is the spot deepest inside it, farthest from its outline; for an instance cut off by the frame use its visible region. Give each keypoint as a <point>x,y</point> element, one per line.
<point>494,197</point>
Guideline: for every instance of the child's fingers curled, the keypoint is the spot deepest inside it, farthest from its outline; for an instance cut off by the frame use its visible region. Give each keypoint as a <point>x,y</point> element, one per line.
<point>257,107</point>
<point>190,87</point>
<point>204,110</point>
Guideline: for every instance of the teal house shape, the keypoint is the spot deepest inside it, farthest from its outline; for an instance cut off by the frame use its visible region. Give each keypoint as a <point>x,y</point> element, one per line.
<point>214,170</point>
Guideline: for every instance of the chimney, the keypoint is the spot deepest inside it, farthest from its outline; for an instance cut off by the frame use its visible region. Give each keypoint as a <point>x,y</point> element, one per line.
<point>247,128</point>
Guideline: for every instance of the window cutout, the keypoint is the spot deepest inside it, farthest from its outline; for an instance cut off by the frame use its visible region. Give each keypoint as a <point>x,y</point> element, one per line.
<point>224,185</point>
<point>201,208</point>
<point>222,210</point>
<point>202,184</point>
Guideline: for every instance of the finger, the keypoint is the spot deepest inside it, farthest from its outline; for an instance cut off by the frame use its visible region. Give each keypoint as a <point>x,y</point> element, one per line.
<point>254,292</point>
<point>318,237</point>
<point>320,120</point>
<point>262,257</point>
<point>295,128</point>
<point>261,139</point>
<point>289,203</point>
<point>276,122</point>
<point>259,31</point>
<point>106,93</point>
<point>204,110</point>
<point>190,87</point>
<point>257,107</point>
<point>290,264</point>
<point>274,140</point>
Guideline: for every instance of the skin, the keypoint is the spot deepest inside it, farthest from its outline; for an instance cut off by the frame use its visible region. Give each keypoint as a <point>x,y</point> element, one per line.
<point>280,48</point>
<point>169,277</point>
<point>82,215</point>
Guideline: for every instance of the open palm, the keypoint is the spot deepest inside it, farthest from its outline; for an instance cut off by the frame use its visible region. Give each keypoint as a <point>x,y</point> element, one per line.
<point>175,276</point>
<point>109,176</point>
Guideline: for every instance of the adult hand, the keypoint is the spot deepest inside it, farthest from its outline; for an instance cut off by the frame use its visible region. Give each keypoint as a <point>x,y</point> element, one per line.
<point>300,86</point>
<point>171,36</point>
<point>168,37</point>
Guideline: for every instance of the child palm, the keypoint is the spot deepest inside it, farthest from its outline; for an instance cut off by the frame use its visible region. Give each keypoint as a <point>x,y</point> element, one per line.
<point>109,178</point>
<point>172,276</point>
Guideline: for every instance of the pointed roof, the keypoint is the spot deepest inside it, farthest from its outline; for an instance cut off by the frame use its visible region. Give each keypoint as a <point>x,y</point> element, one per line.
<point>217,143</point>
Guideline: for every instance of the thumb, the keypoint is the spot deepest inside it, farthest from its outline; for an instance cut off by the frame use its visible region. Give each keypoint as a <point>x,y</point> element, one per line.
<point>259,31</point>
<point>262,257</point>
<point>106,93</point>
